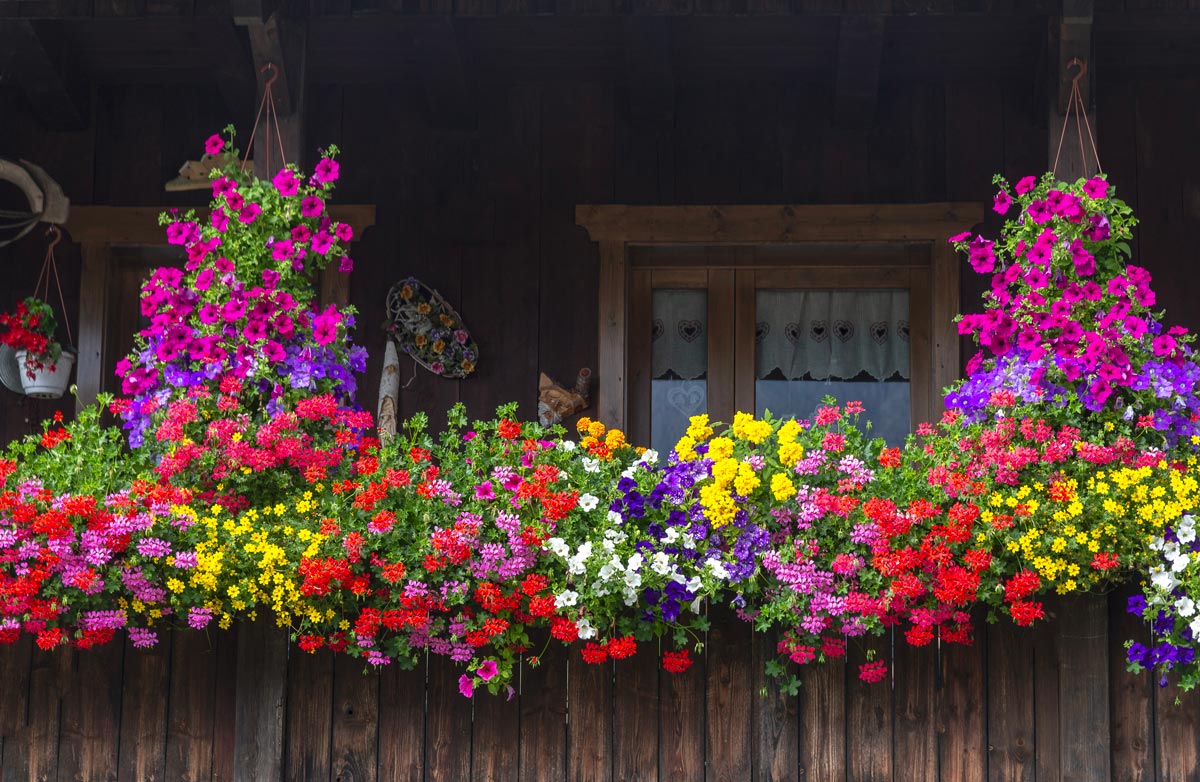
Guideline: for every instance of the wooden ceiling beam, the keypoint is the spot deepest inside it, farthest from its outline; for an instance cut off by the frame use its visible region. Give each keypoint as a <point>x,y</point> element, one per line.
<point>443,75</point>
<point>35,57</point>
<point>649,70</point>
<point>860,50</point>
<point>233,67</point>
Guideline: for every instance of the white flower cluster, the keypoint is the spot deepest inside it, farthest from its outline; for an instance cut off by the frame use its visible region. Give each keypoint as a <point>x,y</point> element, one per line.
<point>1166,577</point>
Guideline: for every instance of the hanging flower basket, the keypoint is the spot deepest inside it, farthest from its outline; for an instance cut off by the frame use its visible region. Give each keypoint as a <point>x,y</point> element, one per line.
<point>429,330</point>
<point>46,381</point>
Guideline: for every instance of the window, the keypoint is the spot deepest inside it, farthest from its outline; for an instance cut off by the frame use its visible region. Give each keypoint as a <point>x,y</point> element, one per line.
<point>719,309</point>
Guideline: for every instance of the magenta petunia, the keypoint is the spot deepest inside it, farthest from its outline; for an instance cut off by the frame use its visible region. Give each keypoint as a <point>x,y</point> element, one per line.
<point>219,219</point>
<point>311,206</point>
<point>346,264</point>
<point>204,279</point>
<point>214,144</point>
<point>326,170</point>
<point>1001,202</point>
<point>1096,187</point>
<point>466,685</point>
<point>962,237</point>
<point>286,182</point>
<point>249,213</point>
<point>1026,184</point>
<point>487,670</point>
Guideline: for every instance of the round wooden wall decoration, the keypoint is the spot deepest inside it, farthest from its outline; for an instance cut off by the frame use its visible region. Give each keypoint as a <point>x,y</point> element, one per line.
<point>429,330</point>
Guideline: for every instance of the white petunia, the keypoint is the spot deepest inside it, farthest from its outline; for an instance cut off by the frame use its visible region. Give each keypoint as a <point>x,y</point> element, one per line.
<point>1195,626</point>
<point>671,536</point>
<point>1163,579</point>
<point>591,465</point>
<point>565,599</point>
<point>1186,533</point>
<point>1186,607</point>
<point>660,564</point>
<point>628,471</point>
<point>615,518</point>
<point>559,547</point>
<point>694,584</point>
<point>649,456</point>
<point>630,596</point>
<point>718,568</point>
<point>633,580</point>
<point>586,631</point>
<point>567,445</point>
<point>588,503</point>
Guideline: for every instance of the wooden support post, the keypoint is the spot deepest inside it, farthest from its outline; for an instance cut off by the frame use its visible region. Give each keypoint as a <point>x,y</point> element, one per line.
<point>93,322</point>
<point>614,293</point>
<point>280,42</point>
<point>860,50</point>
<point>35,58</point>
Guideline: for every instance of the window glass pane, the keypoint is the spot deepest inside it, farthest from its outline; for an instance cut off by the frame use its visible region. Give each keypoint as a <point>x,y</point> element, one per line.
<point>849,344</point>
<point>679,361</point>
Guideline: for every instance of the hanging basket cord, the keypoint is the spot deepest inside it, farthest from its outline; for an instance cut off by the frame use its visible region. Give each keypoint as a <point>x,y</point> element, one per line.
<point>267,106</point>
<point>1075,106</point>
<point>50,268</point>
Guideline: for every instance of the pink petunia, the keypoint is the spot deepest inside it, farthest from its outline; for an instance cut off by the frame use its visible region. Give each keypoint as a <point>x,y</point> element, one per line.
<point>214,144</point>
<point>249,213</point>
<point>1001,202</point>
<point>326,170</point>
<point>1096,188</point>
<point>962,237</point>
<point>466,686</point>
<point>346,264</point>
<point>1026,184</point>
<point>487,670</point>
<point>311,206</point>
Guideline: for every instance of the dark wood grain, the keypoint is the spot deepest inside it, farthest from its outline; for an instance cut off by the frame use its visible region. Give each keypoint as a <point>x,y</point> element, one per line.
<point>355,721</point>
<point>496,738</point>
<point>1010,704</point>
<point>402,734</point>
<point>682,710</point>
<point>637,716</point>
<point>1131,696</point>
<point>774,717</point>
<point>869,709</point>
<point>915,741</point>
<point>590,718</point>
<point>448,746</point>
<point>259,711</point>
<point>729,700</point>
<point>823,721</point>
<point>191,703</point>
<point>14,673</point>
<point>544,716</point>
<point>143,730</point>
<point>310,708</point>
<point>1051,674</point>
<point>91,714</point>
<point>962,708</point>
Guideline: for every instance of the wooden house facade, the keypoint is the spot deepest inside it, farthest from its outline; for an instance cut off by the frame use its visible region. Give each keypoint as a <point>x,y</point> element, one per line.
<point>541,163</point>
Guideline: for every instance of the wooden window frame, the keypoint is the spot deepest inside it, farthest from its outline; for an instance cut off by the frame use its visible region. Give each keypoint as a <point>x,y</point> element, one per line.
<point>746,242</point>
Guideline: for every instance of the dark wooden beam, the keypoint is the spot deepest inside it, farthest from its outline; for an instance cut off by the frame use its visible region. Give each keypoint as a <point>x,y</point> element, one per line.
<point>35,58</point>
<point>649,70</point>
<point>439,64</point>
<point>246,11</point>
<point>860,49</point>
<point>269,44</point>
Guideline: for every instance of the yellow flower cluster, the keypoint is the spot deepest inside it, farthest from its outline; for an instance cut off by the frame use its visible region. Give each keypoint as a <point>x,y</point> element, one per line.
<point>746,427</point>
<point>1060,529</point>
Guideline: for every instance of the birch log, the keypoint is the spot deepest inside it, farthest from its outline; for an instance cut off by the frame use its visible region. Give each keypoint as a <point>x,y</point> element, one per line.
<point>389,393</point>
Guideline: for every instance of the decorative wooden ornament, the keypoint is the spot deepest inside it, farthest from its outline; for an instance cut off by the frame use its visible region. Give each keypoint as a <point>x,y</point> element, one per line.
<point>197,174</point>
<point>429,330</point>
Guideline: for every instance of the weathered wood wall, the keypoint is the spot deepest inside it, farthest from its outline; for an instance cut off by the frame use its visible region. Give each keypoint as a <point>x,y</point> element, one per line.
<point>486,216</point>
<point>991,711</point>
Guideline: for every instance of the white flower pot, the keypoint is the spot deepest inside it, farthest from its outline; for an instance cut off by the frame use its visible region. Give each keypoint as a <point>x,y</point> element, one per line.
<point>48,382</point>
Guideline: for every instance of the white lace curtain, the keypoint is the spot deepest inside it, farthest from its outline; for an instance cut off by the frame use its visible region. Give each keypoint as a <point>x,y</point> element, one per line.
<point>801,334</point>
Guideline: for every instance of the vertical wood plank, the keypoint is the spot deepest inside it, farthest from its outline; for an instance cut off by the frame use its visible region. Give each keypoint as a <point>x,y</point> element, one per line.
<point>1177,716</point>
<point>228,675</point>
<point>868,718</point>
<point>729,739</point>
<point>91,715</point>
<point>1132,696</point>
<point>309,714</point>
<point>589,721</point>
<point>682,708</point>
<point>823,721</point>
<point>640,341</point>
<point>1010,704</point>
<point>637,718</point>
<point>93,315</point>
<point>1083,688</point>
<point>402,724</point>
<point>191,701</point>
<point>15,674</point>
<point>775,737</point>
<point>915,741</point>
<point>355,721</point>
<point>262,652</point>
<point>37,756</point>
<point>611,360</point>
<point>720,337</point>
<point>144,701</point>
<point>945,306</point>
<point>544,718</point>
<point>1048,712</point>
<point>924,389</point>
<point>962,709</point>
<point>448,742</point>
<point>495,738</point>
<point>745,348</point>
